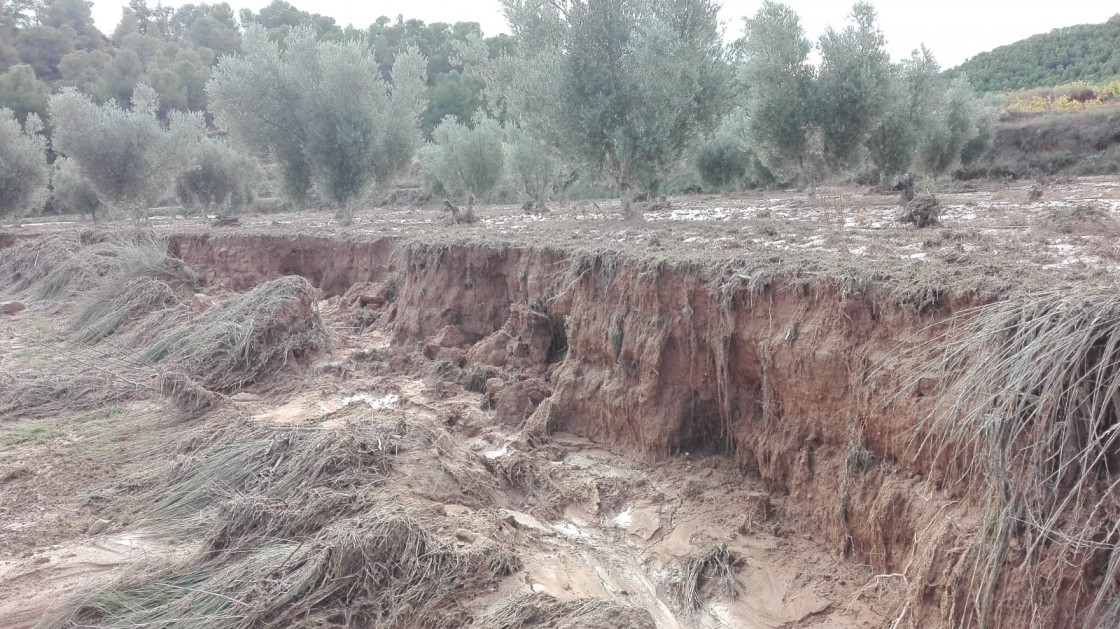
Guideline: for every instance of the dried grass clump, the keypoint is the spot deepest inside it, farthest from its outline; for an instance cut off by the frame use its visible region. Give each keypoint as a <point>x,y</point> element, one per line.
<point>191,399</point>
<point>717,566</point>
<point>110,309</point>
<point>383,569</point>
<point>1080,221</point>
<point>58,268</point>
<point>541,611</point>
<point>924,211</point>
<point>1029,411</point>
<point>143,278</point>
<point>246,338</point>
<point>475,377</point>
<point>29,262</point>
<point>271,466</point>
<point>40,395</point>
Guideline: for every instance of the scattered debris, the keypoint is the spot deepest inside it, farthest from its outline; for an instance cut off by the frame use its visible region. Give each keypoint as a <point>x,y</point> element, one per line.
<point>535,208</point>
<point>461,216</point>
<point>1080,221</point>
<point>905,185</point>
<point>923,211</point>
<point>226,221</point>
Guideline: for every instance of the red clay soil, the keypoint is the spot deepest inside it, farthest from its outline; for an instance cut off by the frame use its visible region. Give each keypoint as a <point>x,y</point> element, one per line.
<point>657,362</point>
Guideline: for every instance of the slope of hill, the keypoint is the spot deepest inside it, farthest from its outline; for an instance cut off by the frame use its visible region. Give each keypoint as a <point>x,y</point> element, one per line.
<point>1086,52</point>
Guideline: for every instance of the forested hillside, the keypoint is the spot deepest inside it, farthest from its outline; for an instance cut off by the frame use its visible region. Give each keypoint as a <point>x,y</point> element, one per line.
<point>1088,52</point>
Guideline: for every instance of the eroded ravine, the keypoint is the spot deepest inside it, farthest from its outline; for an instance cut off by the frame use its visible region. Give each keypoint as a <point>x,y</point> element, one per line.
<point>657,362</point>
<point>678,409</point>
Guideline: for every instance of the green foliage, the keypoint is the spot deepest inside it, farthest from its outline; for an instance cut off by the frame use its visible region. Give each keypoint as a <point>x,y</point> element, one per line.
<point>532,168</point>
<point>723,160</point>
<point>952,125</point>
<point>43,48</point>
<point>23,165</point>
<point>131,159</point>
<point>462,161</point>
<point>321,109</point>
<point>1077,53</point>
<point>775,68</point>
<point>122,75</point>
<point>222,178</point>
<point>914,94</point>
<point>72,192</point>
<point>280,18</point>
<point>853,85</point>
<point>85,71</point>
<point>454,94</point>
<point>22,93</point>
<point>620,85</point>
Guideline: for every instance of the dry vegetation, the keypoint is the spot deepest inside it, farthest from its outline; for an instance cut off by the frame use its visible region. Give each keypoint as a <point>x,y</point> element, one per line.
<point>1028,412</point>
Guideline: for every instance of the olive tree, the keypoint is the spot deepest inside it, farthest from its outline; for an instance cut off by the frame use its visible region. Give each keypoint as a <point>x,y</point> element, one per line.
<point>462,161</point>
<point>222,177</point>
<point>931,123</point>
<point>322,110</point>
<point>23,165</point>
<point>853,86</point>
<point>71,191</point>
<point>955,121</point>
<point>774,65</point>
<point>624,86</point>
<point>912,95</point>
<point>723,160</point>
<point>128,155</point>
<point>533,169</point>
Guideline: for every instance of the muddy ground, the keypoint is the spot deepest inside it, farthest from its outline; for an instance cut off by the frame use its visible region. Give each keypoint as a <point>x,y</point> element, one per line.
<point>611,403</point>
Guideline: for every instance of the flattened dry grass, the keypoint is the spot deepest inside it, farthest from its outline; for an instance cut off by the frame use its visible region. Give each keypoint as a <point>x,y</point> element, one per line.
<point>133,310</point>
<point>57,268</point>
<point>43,394</point>
<point>246,338</point>
<point>380,569</point>
<point>541,611</point>
<point>714,566</point>
<point>1029,408</point>
<point>294,526</point>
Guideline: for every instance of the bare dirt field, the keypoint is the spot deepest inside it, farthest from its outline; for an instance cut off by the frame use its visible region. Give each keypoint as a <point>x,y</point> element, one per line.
<point>707,418</point>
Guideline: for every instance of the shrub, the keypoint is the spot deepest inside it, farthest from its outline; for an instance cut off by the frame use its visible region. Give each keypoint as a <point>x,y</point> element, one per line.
<point>322,110</point>
<point>221,178</point>
<point>129,157</point>
<point>462,161</point>
<point>722,161</point>
<point>72,192</point>
<point>23,165</point>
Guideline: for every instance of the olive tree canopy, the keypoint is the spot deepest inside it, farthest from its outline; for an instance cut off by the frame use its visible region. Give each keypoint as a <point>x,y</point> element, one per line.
<point>23,165</point>
<point>128,155</point>
<point>322,110</point>
<point>622,85</point>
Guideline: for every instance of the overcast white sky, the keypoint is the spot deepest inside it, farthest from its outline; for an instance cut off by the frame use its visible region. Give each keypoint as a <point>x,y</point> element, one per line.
<point>953,29</point>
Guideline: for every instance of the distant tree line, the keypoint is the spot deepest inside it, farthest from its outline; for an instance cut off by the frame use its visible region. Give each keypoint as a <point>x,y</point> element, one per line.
<point>189,102</point>
<point>1089,52</point>
<point>46,45</point>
